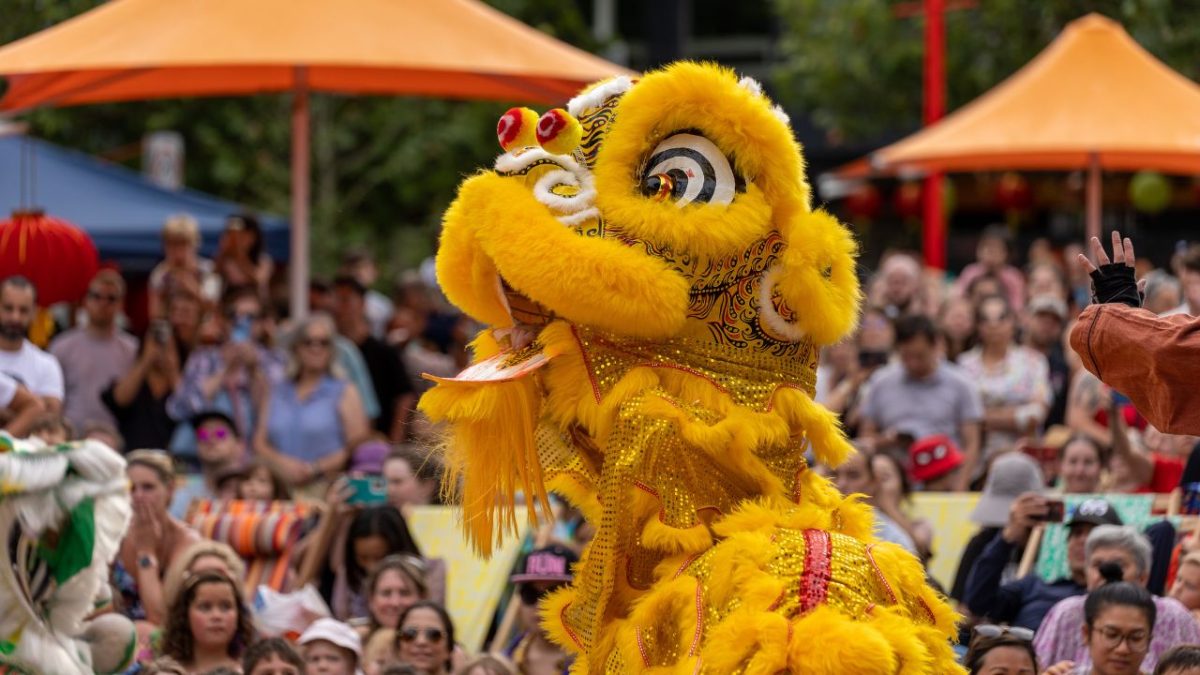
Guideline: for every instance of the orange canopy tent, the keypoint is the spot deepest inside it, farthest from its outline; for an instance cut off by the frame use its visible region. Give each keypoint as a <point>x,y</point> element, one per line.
<point>140,49</point>
<point>1094,99</point>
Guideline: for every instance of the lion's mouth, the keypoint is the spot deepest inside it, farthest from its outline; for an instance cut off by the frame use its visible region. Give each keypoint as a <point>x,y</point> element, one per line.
<point>529,317</point>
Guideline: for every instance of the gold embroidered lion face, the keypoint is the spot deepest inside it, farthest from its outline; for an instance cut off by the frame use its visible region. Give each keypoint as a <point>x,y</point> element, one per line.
<point>673,206</point>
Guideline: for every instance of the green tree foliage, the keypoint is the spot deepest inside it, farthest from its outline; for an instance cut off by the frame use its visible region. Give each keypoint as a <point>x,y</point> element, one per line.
<point>383,168</point>
<point>855,65</point>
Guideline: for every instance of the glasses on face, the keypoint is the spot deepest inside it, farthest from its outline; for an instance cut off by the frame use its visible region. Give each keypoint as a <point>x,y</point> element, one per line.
<point>1111,637</point>
<point>993,318</point>
<point>323,343</point>
<point>104,297</point>
<point>992,631</point>
<point>433,635</point>
<point>212,435</point>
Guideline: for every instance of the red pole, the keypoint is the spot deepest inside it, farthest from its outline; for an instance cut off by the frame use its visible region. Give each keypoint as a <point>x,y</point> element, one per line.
<point>933,231</point>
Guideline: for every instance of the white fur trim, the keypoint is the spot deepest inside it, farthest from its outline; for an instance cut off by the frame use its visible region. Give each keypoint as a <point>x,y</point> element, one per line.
<point>597,95</point>
<point>766,308</point>
<point>510,163</point>
<point>582,216</point>
<point>581,201</point>
<point>751,85</point>
<point>780,114</point>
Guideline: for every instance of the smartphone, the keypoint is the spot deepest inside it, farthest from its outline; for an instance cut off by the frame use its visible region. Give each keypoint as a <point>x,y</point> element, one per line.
<point>1056,510</point>
<point>869,359</point>
<point>367,490</point>
<point>160,331</point>
<point>241,330</point>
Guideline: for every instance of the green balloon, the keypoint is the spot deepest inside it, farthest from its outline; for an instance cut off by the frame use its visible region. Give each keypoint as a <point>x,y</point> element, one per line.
<point>1149,191</point>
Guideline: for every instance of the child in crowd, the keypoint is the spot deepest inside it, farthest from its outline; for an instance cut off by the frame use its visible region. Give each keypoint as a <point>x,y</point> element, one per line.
<point>330,647</point>
<point>272,656</point>
<point>259,482</point>
<point>208,625</point>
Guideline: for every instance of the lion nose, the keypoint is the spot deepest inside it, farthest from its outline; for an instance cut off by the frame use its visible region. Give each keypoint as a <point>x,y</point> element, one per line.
<point>517,128</point>
<point>559,132</point>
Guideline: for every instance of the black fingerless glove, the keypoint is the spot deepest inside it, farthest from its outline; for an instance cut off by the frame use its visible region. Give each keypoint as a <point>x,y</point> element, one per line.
<point>1115,283</point>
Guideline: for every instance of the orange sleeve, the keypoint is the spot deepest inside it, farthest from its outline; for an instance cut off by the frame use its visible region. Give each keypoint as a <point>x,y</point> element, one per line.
<point>1153,360</point>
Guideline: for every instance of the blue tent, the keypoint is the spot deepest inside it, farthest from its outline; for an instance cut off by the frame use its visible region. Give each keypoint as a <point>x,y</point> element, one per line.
<point>121,210</point>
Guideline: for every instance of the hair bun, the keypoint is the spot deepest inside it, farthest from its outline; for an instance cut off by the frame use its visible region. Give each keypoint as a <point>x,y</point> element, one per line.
<point>1111,572</point>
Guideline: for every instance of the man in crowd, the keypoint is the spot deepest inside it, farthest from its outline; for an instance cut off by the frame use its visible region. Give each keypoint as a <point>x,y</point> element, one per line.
<point>1025,601</point>
<point>1189,282</point>
<point>1046,317</point>
<point>360,265</point>
<point>234,376</point>
<point>388,377</point>
<point>20,358</point>
<point>991,259</point>
<point>19,407</point>
<point>95,354</point>
<point>219,450</point>
<point>1060,637</point>
<point>923,396</point>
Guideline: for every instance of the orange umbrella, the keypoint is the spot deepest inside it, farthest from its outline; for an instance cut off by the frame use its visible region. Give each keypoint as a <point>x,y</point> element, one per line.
<point>1094,98</point>
<point>140,49</point>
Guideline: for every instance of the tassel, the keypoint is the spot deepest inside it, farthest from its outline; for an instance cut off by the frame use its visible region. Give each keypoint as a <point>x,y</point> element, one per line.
<point>490,454</point>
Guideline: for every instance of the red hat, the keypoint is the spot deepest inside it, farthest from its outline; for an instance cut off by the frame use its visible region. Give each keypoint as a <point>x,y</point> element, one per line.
<point>932,457</point>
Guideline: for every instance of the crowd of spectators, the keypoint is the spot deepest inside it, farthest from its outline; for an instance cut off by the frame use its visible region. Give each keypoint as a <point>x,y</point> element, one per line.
<point>948,385</point>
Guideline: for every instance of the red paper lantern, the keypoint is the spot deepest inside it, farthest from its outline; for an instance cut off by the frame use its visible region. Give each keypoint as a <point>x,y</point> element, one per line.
<point>59,258</point>
<point>908,200</point>
<point>864,202</point>
<point>1013,192</point>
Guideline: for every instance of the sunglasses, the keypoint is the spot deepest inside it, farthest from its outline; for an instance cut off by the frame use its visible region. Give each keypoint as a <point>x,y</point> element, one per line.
<point>992,631</point>
<point>106,297</point>
<point>434,635</point>
<point>214,435</point>
<point>316,342</point>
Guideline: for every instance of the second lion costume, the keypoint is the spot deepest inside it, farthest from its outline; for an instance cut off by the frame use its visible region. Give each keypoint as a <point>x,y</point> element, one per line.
<point>657,287</point>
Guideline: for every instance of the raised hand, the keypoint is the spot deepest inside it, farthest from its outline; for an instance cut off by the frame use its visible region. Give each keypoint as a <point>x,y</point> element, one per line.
<point>1113,280</point>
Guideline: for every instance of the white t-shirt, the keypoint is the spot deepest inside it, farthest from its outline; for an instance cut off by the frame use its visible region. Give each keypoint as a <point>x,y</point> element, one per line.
<point>8,390</point>
<point>34,368</point>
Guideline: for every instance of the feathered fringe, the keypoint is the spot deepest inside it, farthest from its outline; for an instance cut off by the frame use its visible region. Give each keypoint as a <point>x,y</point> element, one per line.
<point>490,454</point>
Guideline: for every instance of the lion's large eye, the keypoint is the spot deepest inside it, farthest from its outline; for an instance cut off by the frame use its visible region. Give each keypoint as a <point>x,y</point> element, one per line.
<point>689,168</point>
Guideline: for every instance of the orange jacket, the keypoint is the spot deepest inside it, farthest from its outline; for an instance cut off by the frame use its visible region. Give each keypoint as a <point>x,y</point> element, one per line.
<point>1153,360</point>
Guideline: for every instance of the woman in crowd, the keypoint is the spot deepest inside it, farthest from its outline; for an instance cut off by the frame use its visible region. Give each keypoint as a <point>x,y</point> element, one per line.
<point>374,534</point>
<point>1186,587</point>
<point>956,323</point>
<point>1001,650</point>
<point>413,477</point>
<point>259,482</point>
<point>154,539</point>
<point>241,258</point>
<point>396,583</point>
<point>203,556</point>
<point>313,417</point>
<point>1083,461</point>
<point>1013,380</point>
<point>272,656</point>
<point>138,400</point>
<point>330,647</point>
<point>208,625</point>
<point>856,476</point>
<point>895,496</point>
<point>1118,624</point>
<point>425,639</point>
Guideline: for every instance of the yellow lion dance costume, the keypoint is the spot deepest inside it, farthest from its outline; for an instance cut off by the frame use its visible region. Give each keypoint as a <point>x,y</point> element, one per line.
<point>657,288</point>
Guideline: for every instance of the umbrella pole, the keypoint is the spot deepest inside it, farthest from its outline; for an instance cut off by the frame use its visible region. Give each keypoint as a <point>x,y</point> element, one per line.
<point>1093,197</point>
<point>298,268</point>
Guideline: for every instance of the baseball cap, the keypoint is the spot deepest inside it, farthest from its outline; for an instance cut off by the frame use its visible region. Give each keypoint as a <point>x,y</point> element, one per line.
<point>206,415</point>
<point>1012,475</point>
<point>1095,511</point>
<point>933,456</point>
<point>551,563</point>
<point>335,632</point>
<point>1048,304</point>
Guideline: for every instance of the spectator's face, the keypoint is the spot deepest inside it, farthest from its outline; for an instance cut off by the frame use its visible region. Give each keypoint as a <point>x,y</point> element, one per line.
<point>322,657</point>
<point>315,348</point>
<point>1118,640</point>
<point>958,320</point>
<point>531,593</point>
<point>403,486</point>
<point>876,334</point>
<point>1120,556</point>
<point>1080,468</point>
<point>1076,547</point>
<point>258,485</point>
<point>145,487</point>
<point>1045,329</point>
<point>918,356</point>
<point>102,303</point>
<point>216,443</point>
<point>248,308</point>
<point>1044,281</point>
<point>1190,281</point>
<point>273,664</point>
<point>347,305</point>
<point>423,641</point>
<point>393,594</point>
<point>985,288</point>
<point>886,476</point>
<point>184,313</point>
<point>900,284</point>
<point>179,251</point>
<point>1186,588</point>
<point>16,312</point>
<point>853,476</point>
<point>995,323</point>
<point>1167,297</point>
<point>213,615</point>
<point>1007,660</point>
<point>991,253</point>
<point>369,550</point>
